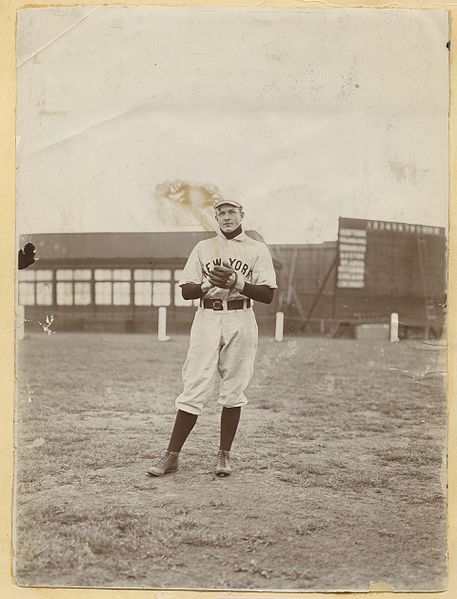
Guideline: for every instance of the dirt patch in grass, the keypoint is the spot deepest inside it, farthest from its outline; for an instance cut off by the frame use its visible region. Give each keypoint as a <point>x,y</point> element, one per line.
<point>338,468</point>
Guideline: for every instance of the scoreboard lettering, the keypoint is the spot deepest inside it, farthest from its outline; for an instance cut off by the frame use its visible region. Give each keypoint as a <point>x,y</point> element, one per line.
<point>352,247</point>
<point>380,225</point>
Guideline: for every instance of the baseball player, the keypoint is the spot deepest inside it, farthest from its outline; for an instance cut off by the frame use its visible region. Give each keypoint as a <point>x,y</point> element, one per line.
<point>226,273</point>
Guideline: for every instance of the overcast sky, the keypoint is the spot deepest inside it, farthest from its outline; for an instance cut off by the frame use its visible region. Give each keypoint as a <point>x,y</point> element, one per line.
<point>302,115</point>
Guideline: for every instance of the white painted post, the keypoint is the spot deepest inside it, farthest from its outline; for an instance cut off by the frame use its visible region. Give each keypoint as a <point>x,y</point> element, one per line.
<point>20,321</point>
<point>394,328</point>
<point>279,331</point>
<point>162,325</point>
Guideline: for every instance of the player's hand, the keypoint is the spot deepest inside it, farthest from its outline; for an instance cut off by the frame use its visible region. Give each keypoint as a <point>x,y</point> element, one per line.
<point>222,276</point>
<point>206,286</point>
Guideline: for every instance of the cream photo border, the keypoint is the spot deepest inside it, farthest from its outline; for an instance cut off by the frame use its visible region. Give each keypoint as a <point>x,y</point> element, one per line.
<point>8,10</point>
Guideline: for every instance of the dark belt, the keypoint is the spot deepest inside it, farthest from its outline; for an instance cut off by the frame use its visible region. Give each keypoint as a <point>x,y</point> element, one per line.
<point>217,304</point>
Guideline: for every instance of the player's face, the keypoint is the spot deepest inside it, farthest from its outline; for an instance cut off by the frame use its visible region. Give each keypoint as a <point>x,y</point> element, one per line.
<point>229,217</point>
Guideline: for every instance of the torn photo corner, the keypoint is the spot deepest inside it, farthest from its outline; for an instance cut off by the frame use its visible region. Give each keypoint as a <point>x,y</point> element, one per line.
<point>324,134</point>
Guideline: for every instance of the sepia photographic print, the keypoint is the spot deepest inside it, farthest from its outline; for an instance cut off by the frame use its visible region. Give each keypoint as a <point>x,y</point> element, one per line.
<point>232,234</point>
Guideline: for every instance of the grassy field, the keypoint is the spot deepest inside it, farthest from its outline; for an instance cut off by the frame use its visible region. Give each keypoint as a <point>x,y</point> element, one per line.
<point>339,473</point>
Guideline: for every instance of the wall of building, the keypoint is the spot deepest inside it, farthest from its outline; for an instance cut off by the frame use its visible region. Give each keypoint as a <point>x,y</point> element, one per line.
<point>124,294</point>
<point>116,298</point>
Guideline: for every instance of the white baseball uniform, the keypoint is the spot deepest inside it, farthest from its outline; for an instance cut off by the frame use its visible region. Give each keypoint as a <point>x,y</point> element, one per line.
<point>223,341</point>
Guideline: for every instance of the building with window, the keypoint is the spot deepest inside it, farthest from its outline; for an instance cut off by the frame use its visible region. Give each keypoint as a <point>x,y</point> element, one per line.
<point>112,281</point>
<point>117,281</point>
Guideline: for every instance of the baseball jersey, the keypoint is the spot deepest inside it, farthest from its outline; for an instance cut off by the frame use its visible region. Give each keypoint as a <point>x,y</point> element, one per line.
<point>250,259</point>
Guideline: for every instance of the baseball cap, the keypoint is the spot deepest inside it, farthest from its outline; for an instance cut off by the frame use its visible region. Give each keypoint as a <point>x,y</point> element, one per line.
<point>229,202</point>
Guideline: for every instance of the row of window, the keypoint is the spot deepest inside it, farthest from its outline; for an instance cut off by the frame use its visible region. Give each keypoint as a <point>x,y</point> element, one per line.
<point>111,287</point>
<point>107,293</point>
<point>101,274</point>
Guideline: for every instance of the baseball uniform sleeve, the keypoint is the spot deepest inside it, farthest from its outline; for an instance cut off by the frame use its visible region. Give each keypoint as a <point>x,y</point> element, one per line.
<point>193,272</point>
<point>264,272</point>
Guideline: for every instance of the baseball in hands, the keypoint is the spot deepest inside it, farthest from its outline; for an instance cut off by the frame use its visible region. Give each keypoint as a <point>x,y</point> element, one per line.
<point>224,276</point>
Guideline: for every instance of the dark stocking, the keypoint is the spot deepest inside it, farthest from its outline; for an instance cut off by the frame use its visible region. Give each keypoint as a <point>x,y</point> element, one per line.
<point>184,423</point>
<point>229,423</point>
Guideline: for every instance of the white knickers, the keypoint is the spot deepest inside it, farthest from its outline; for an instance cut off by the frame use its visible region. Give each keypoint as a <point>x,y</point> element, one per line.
<point>223,342</point>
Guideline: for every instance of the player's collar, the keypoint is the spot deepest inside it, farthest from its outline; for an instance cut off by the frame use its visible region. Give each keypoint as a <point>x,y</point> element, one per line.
<point>240,237</point>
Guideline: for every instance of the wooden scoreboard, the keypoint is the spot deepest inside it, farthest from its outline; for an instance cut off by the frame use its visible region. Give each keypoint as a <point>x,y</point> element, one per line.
<point>384,267</point>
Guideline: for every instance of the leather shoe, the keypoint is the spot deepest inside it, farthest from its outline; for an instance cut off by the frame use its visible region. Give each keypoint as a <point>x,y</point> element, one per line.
<point>223,463</point>
<point>167,464</point>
